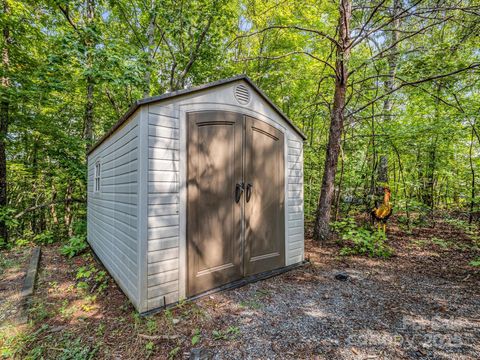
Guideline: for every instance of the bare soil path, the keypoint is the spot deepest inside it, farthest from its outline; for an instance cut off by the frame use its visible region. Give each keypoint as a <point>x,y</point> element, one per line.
<point>423,303</point>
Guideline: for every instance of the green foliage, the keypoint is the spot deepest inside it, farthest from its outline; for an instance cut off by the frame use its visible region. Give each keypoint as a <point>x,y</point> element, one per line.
<point>91,277</point>
<point>44,238</point>
<point>196,337</point>
<point>475,262</point>
<point>76,245</point>
<point>361,240</point>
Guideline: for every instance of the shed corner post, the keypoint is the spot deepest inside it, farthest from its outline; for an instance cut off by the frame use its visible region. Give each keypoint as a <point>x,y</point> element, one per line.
<point>142,226</point>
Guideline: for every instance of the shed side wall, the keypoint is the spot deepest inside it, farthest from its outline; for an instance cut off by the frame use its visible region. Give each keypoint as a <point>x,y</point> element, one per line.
<point>112,213</point>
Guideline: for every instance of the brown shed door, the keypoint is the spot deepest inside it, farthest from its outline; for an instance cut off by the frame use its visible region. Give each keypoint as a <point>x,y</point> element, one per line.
<point>214,221</point>
<point>264,198</point>
<point>228,239</point>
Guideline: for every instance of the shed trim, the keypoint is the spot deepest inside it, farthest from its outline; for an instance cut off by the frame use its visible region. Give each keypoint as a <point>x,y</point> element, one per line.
<point>173,94</point>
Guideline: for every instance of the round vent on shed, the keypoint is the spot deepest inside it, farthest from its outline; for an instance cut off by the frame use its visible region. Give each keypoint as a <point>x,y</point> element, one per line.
<point>242,94</point>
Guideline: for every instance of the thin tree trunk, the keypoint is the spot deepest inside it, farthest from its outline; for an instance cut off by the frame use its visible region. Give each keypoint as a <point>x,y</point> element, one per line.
<point>472,169</point>
<point>322,222</point>
<point>68,210</point>
<point>4,120</point>
<point>149,51</point>
<point>89,105</point>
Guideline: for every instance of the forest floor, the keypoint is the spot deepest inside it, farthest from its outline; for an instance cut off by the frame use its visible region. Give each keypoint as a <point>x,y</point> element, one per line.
<point>424,302</point>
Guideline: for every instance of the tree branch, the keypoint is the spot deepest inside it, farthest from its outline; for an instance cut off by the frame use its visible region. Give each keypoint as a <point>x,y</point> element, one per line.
<point>414,83</point>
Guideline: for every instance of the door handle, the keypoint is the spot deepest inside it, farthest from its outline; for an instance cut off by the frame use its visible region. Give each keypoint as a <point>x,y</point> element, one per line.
<point>238,192</point>
<point>248,194</point>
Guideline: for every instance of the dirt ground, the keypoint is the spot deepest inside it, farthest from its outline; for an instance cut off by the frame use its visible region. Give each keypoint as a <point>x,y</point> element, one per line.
<point>424,302</point>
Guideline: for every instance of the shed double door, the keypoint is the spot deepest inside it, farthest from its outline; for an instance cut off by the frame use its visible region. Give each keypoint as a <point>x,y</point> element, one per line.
<point>235,195</point>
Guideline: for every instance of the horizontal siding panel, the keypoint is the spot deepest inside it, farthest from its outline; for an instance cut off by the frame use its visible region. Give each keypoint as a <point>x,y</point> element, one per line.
<point>131,188</point>
<point>296,252</point>
<point>121,169</point>
<point>294,144</point>
<point>163,176</point>
<point>163,143</point>
<point>158,301</point>
<point>295,231</point>
<point>118,141</point>
<point>124,242</point>
<point>295,223</point>
<point>159,199</point>
<point>165,243</point>
<point>112,264</point>
<point>163,132</point>
<point>295,166</point>
<point>115,206</point>
<point>295,245</point>
<point>120,198</point>
<point>295,180</point>
<point>162,255</point>
<point>295,208</point>
<point>166,121</point>
<point>169,165</point>
<point>163,221</point>
<point>157,210</point>
<point>161,233</point>
<point>294,159</point>
<point>162,187</point>
<point>163,110</point>
<point>162,278</point>
<point>294,151</point>
<point>163,266</point>
<point>295,216</point>
<point>294,238</point>
<point>295,202</point>
<point>162,289</point>
<point>295,173</point>
<point>127,145</point>
<point>113,225</point>
<point>115,249</point>
<point>294,194</point>
<point>126,178</point>
<point>295,259</point>
<point>163,154</point>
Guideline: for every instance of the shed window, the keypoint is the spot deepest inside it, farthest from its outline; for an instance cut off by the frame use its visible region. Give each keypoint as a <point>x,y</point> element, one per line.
<point>96,178</point>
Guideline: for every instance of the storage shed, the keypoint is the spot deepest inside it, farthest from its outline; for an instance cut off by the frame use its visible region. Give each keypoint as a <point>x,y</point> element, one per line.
<point>196,189</point>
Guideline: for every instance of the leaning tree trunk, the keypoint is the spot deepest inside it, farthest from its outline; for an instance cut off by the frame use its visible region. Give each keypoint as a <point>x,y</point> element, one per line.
<point>4,119</point>
<point>322,221</point>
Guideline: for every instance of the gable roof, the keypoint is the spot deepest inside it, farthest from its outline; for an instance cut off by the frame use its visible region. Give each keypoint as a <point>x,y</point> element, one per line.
<point>173,94</point>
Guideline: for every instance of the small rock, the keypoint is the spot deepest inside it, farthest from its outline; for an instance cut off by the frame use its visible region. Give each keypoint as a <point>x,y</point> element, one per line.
<point>200,354</point>
<point>175,321</point>
<point>342,277</point>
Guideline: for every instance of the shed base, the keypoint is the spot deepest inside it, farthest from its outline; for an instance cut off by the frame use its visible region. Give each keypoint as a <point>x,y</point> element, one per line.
<point>233,285</point>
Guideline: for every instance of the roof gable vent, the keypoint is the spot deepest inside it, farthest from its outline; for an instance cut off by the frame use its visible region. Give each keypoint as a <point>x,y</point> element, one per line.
<point>242,94</point>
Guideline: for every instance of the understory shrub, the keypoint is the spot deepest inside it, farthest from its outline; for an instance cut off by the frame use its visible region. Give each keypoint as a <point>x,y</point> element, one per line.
<point>358,240</point>
<point>77,243</point>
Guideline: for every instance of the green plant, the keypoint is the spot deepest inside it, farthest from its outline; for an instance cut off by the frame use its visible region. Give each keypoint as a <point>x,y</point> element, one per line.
<point>196,337</point>
<point>173,352</point>
<point>150,346</point>
<point>76,245</point>
<point>360,240</point>
<point>44,238</point>
<point>475,262</point>
<point>90,276</point>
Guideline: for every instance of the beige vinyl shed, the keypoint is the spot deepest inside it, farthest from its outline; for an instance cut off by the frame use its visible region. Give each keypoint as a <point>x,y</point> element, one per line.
<point>196,190</point>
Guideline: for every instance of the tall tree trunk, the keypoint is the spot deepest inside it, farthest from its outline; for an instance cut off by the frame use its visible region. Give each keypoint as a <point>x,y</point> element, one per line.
<point>89,45</point>
<point>4,120</point>
<point>322,221</point>
<point>149,50</point>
